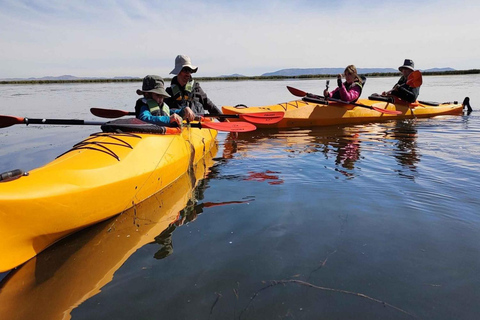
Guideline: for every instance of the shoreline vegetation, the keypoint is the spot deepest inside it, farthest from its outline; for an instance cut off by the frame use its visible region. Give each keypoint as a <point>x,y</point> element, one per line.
<point>241,78</point>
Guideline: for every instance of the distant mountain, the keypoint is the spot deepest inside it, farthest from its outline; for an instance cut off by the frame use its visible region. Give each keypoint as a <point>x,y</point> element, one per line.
<point>126,77</point>
<point>314,71</point>
<point>235,75</point>
<point>66,77</point>
<point>283,72</point>
<point>438,69</point>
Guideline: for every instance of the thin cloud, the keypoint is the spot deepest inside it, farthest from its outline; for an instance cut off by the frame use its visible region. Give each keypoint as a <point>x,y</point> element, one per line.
<point>113,38</point>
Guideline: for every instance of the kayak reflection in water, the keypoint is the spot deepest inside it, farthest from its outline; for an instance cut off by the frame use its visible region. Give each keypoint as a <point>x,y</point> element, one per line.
<point>348,151</point>
<point>188,214</point>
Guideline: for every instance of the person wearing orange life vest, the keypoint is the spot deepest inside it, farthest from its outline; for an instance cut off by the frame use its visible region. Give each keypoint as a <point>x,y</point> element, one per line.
<point>350,90</point>
<point>186,92</point>
<point>401,89</point>
<point>152,109</point>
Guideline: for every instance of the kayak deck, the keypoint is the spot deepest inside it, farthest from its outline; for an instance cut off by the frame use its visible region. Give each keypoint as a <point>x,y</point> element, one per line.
<point>98,178</point>
<point>100,250</point>
<point>300,113</point>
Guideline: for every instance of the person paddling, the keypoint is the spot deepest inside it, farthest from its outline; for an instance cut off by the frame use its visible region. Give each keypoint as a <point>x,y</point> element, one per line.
<point>350,90</point>
<point>186,92</point>
<point>404,89</point>
<point>151,107</point>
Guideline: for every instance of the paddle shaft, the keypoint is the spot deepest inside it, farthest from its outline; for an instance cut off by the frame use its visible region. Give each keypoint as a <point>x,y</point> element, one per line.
<point>365,106</point>
<point>320,99</point>
<point>112,113</point>
<point>28,121</point>
<point>267,117</point>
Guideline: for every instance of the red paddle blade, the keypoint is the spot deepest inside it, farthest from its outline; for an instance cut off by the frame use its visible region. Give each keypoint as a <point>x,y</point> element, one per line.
<point>386,111</point>
<point>415,79</point>
<point>230,126</point>
<point>263,117</point>
<point>296,92</point>
<point>7,121</point>
<point>109,113</point>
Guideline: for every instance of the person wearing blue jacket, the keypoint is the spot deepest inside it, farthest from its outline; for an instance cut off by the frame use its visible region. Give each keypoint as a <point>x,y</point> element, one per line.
<point>152,109</point>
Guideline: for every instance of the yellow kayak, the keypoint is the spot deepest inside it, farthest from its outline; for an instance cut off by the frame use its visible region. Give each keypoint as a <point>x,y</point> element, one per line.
<point>98,178</point>
<point>88,262</point>
<point>309,112</point>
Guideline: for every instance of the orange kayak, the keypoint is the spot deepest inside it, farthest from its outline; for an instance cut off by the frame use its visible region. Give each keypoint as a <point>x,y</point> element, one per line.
<point>308,113</point>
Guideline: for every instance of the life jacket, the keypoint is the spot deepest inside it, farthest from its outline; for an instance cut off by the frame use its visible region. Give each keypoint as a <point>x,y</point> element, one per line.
<point>187,97</point>
<point>184,95</point>
<point>154,108</point>
<point>349,87</point>
<point>405,92</point>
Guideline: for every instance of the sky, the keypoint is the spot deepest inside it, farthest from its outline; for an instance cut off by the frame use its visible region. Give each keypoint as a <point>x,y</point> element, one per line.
<point>108,38</point>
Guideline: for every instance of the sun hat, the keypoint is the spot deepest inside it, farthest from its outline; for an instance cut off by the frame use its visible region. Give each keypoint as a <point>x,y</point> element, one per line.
<point>182,61</point>
<point>408,63</point>
<point>153,84</point>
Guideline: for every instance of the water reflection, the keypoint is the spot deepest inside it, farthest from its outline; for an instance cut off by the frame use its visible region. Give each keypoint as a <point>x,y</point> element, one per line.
<point>59,279</point>
<point>345,146</point>
<point>404,137</point>
<point>190,213</point>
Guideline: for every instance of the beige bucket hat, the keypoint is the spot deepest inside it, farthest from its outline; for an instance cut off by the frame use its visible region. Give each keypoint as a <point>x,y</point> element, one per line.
<point>182,61</point>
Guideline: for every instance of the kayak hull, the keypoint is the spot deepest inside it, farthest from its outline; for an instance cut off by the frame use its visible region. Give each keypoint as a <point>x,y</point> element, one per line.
<point>300,113</point>
<point>101,250</point>
<point>100,177</point>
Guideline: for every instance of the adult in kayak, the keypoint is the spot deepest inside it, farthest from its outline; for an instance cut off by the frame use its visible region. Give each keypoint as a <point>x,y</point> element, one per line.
<point>351,89</point>
<point>152,109</point>
<point>186,92</point>
<point>402,90</point>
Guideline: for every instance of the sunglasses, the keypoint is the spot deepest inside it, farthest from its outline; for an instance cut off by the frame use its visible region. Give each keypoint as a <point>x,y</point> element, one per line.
<point>187,69</point>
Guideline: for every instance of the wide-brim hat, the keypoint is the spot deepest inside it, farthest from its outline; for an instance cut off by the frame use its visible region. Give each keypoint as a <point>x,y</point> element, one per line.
<point>154,84</point>
<point>182,61</point>
<point>408,63</point>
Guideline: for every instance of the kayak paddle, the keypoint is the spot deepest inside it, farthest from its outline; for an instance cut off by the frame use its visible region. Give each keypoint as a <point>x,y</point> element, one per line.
<point>7,121</point>
<point>300,93</point>
<point>258,118</point>
<point>110,113</point>
<point>415,79</point>
<point>225,126</point>
<point>268,117</point>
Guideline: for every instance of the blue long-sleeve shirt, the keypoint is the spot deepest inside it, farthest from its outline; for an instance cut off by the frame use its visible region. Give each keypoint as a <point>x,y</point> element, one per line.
<point>146,115</point>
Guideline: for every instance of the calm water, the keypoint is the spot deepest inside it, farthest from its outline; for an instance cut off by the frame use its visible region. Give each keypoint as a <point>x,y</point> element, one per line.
<point>374,221</point>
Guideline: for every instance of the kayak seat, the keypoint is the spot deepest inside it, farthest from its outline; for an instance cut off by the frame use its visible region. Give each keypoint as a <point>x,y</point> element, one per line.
<point>429,103</point>
<point>377,97</point>
<point>12,175</point>
<point>315,100</point>
<point>133,125</point>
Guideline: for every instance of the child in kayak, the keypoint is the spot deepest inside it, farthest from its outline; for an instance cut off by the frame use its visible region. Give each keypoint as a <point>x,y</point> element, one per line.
<point>404,89</point>
<point>151,107</point>
<point>350,90</point>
